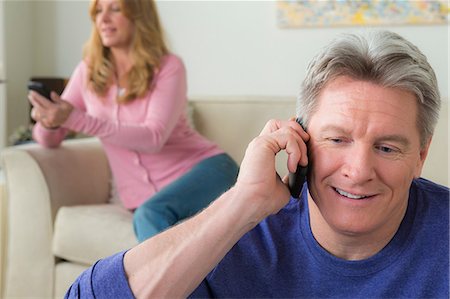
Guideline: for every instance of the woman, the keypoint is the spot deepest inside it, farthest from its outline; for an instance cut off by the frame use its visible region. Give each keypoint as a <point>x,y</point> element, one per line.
<point>130,92</point>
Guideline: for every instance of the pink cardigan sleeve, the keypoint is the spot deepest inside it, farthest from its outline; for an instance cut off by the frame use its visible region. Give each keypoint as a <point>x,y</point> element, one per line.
<point>72,93</point>
<point>167,102</point>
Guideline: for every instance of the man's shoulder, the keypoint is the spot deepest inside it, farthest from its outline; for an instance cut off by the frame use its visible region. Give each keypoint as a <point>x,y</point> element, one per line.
<point>279,230</point>
<point>432,203</point>
<point>426,188</point>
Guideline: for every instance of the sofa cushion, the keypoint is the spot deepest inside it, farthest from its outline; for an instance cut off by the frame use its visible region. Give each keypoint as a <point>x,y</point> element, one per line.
<point>85,234</point>
<point>65,274</point>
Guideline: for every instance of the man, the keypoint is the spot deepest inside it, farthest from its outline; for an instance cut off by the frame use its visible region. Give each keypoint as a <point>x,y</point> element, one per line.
<point>365,224</point>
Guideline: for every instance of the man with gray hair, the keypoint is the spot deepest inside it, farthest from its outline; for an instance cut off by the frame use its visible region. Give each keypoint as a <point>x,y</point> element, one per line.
<point>365,224</point>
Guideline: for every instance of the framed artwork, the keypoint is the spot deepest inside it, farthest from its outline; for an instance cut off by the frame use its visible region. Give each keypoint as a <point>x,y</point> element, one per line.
<point>322,13</point>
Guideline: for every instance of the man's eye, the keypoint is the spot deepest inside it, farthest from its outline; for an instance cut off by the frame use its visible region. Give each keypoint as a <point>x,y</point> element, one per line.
<point>386,149</point>
<point>336,140</point>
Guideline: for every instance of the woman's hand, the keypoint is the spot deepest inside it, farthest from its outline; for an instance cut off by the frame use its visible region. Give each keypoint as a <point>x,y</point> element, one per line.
<point>50,114</point>
<point>258,177</point>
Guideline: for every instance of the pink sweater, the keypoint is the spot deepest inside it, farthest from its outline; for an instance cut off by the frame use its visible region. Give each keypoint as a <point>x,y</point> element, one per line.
<point>148,142</point>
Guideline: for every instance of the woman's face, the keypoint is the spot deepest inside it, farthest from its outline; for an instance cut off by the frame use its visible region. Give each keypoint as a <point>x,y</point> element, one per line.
<point>115,29</point>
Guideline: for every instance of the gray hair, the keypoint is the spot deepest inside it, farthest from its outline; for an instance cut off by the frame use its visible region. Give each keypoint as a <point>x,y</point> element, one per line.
<point>382,57</point>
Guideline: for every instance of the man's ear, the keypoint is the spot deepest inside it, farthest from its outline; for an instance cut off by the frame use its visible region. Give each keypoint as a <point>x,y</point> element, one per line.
<point>422,156</point>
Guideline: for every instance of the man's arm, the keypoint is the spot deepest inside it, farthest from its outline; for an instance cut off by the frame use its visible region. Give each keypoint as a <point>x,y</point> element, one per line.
<point>173,263</point>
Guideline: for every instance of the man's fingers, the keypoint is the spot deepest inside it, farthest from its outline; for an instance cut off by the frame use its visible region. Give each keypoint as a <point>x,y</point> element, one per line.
<point>288,139</point>
<point>297,152</point>
<point>290,136</point>
<point>276,124</point>
<point>304,150</point>
<point>271,126</point>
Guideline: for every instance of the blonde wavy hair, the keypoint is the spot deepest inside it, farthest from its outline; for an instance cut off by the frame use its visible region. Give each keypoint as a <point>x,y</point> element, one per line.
<point>147,49</point>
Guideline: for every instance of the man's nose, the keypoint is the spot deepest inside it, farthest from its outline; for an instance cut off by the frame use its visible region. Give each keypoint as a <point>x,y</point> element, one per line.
<point>359,164</point>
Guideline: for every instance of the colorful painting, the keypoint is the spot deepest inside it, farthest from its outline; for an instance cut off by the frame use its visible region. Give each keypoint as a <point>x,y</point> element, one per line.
<point>320,13</point>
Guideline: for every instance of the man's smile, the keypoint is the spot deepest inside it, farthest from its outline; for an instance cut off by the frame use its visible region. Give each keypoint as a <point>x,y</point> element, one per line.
<point>351,195</point>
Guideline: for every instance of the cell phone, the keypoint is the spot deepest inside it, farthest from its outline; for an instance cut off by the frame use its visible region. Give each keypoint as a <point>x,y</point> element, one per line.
<point>297,179</point>
<point>40,88</point>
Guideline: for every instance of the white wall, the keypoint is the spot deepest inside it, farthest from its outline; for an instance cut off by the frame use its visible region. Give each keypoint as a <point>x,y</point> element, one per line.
<point>2,89</point>
<point>41,38</point>
<point>18,44</point>
<point>235,47</point>
<point>63,27</point>
<point>229,47</point>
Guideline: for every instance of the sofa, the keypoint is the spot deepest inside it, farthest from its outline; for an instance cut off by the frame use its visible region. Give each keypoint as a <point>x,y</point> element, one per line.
<point>60,212</point>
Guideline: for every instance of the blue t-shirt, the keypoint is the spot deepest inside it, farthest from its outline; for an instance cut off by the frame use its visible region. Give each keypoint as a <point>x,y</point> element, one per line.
<point>280,257</point>
<point>106,279</point>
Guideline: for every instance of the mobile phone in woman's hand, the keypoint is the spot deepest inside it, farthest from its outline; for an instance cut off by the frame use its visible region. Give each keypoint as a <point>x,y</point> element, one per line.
<point>40,88</point>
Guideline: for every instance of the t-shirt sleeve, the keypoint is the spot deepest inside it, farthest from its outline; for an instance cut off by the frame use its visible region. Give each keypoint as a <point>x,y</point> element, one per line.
<point>105,279</point>
<point>202,291</point>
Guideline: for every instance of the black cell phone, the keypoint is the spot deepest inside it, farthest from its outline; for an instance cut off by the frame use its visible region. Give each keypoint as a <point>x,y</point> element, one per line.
<point>40,88</point>
<point>297,179</point>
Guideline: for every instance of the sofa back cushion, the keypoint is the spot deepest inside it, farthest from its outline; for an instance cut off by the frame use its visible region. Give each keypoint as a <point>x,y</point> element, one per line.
<point>232,122</point>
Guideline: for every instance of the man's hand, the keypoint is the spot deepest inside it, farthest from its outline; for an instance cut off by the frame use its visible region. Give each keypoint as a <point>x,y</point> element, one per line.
<point>258,176</point>
<point>50,114</point>
<point>183,255</point>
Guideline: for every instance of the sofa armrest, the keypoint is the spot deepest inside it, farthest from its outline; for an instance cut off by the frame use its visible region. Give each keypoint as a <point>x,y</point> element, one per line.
<point>38,182</point>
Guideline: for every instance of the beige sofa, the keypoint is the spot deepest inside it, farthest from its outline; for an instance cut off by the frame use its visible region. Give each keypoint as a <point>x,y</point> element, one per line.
<point>59,211</point>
